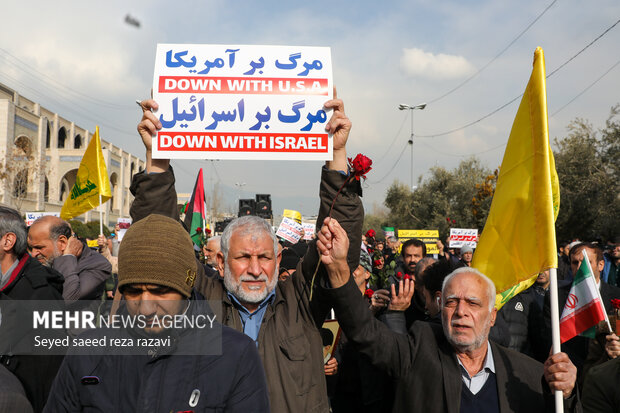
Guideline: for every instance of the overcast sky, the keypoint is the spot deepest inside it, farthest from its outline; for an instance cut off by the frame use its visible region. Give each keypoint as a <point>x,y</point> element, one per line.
<point>82,60</point>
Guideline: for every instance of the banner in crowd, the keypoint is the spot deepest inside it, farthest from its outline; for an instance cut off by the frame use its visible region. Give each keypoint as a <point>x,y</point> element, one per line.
<point>461,236</point>
<point>33,216</point>
<point>428,236</point>
<point>290,230</point>
<point>123,226</point>
<point>309,229</point>
<point>292,214</point>
<point>92,243</point>
<point>92,185</point>
<point>242,102</point>
<point>518,239</point>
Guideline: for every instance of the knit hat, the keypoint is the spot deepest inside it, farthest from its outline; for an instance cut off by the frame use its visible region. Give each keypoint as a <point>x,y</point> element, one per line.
<point>157,250</point>
<point>365,260</point>
<point>466,248</point>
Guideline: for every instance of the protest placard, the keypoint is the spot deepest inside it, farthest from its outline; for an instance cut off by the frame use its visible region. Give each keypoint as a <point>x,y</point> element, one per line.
<point>461,236</point>
<point>242,102</point>
<point>33,216</point>
<point>309,229</point>
<point>292,214</point>
<point>428,236</point>
<point>290,230</point>
<point>123,224</point>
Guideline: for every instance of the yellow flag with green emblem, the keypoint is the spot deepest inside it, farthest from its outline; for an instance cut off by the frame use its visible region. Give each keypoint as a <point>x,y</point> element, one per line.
<point>518,240</point>
<point>91,181</point>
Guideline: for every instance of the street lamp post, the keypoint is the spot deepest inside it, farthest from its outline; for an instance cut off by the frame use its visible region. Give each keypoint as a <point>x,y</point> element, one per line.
<point>402,106</point>
<point>239,185</point>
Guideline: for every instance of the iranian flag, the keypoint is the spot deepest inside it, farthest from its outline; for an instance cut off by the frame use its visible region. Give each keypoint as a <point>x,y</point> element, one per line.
<point>584,308</point>
<point>195,215</point>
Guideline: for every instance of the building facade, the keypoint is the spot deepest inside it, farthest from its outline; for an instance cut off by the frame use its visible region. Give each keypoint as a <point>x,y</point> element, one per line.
<point>40,153</point>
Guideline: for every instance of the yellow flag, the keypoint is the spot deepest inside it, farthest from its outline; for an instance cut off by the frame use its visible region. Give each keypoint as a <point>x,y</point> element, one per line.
<point>518,240</point>
<point>91,180</point>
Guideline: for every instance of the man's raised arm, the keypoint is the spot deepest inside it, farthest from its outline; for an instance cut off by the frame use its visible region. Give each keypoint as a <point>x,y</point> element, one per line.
<point>387,350</point>
<point>347,208</point>
<point>153,188</point>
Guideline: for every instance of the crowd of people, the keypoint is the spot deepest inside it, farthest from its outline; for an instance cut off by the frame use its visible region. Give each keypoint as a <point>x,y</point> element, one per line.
<point>418,332</point>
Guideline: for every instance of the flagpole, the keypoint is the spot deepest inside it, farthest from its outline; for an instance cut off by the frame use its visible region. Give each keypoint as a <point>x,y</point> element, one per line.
<point>100,215</point>
<point>555,329</point>
<point>598,292</point>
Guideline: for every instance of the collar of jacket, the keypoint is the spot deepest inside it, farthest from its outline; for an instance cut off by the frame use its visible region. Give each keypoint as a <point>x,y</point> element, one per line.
<point>276,300</point>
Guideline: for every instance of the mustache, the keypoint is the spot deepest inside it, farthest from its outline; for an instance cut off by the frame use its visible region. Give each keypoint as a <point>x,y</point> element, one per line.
<point>458,323</point>
<point>246,277</point>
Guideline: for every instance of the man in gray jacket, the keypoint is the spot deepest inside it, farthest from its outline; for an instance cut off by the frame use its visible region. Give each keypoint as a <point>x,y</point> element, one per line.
<point>50,241</point>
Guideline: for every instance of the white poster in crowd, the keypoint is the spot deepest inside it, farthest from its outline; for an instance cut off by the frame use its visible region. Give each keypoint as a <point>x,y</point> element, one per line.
<point>460,237</point>
<point>309,229</point>
<point>123,226</point>
<point>242,102</point>
<point>33,216</point>
<point>290,230</point>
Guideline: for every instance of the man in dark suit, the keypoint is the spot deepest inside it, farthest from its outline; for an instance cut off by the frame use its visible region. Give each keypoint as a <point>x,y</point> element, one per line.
<point>577,347</point>
<point>449,368</point>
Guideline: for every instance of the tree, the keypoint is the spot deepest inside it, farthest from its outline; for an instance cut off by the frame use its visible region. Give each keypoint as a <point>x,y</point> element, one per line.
<point>89,230</point>
<point>587,166</point>
<point>19,170</point>
<point>377,218</point>
<point>445,199</point>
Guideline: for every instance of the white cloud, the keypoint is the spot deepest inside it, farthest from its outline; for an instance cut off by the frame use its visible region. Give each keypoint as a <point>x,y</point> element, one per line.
<point>418,63</point>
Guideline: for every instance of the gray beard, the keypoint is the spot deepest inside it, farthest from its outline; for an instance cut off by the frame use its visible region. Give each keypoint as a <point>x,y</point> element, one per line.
<point>466,347</point>
<point>235,288</point>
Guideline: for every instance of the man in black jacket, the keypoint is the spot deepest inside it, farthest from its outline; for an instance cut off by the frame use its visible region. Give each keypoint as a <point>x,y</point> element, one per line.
<point>193,369</point>
<point>450,368</point>
<point>23,278</point>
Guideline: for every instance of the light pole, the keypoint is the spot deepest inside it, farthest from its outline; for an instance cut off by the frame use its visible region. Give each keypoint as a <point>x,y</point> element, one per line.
<point>402,106</point>
<point>239,185</point>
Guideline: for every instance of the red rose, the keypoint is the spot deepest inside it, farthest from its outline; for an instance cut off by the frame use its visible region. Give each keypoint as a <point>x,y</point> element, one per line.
<point>376,263</point>
<point>369,293</point>
<point>399,275</point>
<point>448,219</point>
<point>207,231</point>
<point>615,303</point>
<point>370,233</point>
<point>454,221</point>
<point>198,230</point>
<point>360,166</point>
<point>407,277</point>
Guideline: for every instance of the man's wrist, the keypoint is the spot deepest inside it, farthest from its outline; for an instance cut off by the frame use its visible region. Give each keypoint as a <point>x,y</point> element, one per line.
<point>339,160</point>
<point>339,274</point>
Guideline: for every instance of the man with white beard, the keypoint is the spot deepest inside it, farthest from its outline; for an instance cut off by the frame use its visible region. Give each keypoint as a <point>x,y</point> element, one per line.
<point>280,316</point>
<point>454,368</point>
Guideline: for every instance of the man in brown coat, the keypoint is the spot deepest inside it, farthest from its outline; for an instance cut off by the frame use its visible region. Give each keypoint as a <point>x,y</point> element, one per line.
<point>278,315</point>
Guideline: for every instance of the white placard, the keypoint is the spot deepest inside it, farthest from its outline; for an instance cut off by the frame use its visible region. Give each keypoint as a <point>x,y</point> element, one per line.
<point>460,237</point>
<point>309,229</point>
<point>242,102</point>
<point>33,216</point>
<point>124,224</point>
<point>290,230</point>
